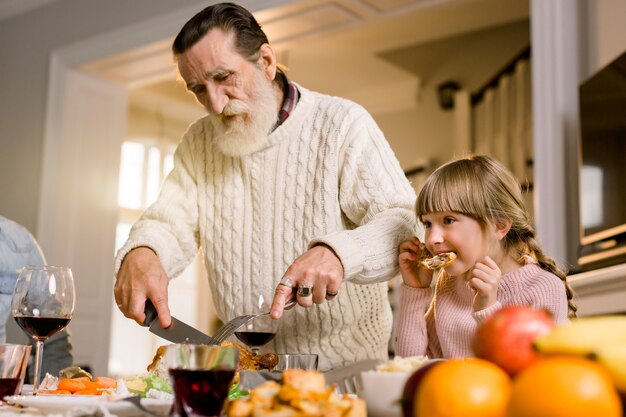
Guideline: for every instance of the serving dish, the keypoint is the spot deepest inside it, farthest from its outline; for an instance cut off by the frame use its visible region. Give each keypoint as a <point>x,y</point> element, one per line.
<point>48,404</point>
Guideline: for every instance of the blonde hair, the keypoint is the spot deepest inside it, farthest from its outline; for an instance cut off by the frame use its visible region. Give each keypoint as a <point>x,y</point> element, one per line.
<point>482,188</point>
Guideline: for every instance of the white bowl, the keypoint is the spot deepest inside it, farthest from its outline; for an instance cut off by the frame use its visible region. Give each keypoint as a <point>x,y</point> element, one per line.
<point>382,392</point>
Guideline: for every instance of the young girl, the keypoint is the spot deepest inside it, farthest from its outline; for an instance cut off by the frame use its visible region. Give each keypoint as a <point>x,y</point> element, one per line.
<point>474,208</point>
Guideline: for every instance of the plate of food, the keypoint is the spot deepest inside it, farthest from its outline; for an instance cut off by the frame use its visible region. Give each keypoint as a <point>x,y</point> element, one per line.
<point>61,404</point>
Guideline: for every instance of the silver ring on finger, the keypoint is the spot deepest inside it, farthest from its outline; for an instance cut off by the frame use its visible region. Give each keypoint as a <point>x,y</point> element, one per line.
<point>286,282</point>
<point>304,291</point>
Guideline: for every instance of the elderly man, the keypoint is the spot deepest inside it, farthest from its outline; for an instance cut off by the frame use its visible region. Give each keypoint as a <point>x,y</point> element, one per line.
<point>290,193</point>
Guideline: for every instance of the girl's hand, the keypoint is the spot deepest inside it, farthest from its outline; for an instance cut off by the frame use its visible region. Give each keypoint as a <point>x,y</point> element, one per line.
<point>485,281</point>
<point>410,252</point>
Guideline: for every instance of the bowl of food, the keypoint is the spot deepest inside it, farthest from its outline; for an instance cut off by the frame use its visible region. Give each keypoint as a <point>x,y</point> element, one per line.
<point>383,386</point>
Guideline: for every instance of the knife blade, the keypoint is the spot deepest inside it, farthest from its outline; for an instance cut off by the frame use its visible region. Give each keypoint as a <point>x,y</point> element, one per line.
<point>177,332</point>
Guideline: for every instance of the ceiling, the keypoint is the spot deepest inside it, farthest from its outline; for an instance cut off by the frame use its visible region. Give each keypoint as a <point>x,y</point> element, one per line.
<point>344,47</point>
<point>11,8</point>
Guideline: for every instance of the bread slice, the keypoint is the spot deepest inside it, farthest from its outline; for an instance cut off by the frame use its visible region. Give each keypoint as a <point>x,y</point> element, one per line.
<point>443,260</point>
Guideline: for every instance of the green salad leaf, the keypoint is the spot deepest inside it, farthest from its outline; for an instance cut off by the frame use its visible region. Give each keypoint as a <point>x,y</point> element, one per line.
<point>236,392</point>
<point>141,384</point>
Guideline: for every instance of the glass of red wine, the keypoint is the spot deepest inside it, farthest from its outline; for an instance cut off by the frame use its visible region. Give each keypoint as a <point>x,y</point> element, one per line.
<point>259,331</point>
<point>201,376</point>
<point>13,363</point>
<point>42,305</point>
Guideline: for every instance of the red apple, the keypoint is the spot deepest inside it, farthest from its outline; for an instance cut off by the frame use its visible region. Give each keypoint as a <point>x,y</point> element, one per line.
<point>506,337</point>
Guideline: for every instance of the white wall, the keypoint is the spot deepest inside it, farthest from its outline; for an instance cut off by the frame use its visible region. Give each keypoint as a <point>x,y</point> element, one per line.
<point>607,31</point>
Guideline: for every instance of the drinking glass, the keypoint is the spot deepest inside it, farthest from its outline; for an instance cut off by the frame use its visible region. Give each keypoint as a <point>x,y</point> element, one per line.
<point>42,305</point>
<point>13,363</point>
<point>306,361</point>
<point>261,330</point>
<point>201,376</point>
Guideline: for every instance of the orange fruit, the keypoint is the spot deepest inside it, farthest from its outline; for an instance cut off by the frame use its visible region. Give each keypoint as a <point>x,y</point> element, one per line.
<point>463,388</point>
<point>567,386</point>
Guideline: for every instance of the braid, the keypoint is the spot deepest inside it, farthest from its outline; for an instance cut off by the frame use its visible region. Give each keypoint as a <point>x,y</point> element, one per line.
<point>548,264</point>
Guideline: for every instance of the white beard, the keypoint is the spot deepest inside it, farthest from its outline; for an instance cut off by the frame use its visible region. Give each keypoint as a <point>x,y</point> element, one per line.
<point>249,131</point>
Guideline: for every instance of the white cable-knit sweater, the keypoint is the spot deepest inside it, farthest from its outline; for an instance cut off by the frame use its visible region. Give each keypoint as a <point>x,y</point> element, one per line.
<point>327,175</point>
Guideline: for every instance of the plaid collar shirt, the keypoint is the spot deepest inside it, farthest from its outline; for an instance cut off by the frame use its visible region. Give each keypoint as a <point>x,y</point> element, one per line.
<point>292,95</point>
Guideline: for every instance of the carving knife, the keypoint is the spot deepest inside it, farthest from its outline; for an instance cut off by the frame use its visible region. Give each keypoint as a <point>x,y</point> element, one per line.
<point>178,332</point>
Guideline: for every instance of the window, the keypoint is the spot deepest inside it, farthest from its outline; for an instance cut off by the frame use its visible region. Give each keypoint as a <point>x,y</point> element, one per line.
<point>144,165</point>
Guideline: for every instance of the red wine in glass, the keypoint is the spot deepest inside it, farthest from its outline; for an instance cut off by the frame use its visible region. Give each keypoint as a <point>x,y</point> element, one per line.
<point>200,392</point>
<point>255,339</point>
<point>42,305</point>
<point>41,327</point>
<point>8,386</point>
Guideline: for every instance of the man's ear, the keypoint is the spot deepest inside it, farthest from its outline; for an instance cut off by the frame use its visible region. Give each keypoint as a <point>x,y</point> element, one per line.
<point>502,227</point>
<point>267,59</point>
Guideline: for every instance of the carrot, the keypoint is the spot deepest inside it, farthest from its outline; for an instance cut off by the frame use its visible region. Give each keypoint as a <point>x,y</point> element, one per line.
<point>92,384</point>
<point>105,382</point>
<point>71,385</point>
<point>54,392</point>
<point>89,391</point>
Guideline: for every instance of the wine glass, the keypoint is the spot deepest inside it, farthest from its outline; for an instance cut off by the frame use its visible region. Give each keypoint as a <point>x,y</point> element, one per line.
<point>42,305</point>
<point>201,376</point>
<point>259,331</point>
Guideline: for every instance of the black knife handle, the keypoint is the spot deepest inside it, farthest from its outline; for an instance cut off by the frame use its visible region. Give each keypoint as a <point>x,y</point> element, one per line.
<point>150,312</point>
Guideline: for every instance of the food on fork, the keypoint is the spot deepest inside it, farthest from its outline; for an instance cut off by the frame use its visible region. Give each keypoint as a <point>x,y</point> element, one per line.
<point>442,260</point>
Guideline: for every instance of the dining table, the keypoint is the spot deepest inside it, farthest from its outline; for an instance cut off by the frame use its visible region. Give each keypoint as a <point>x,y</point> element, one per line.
<point>346,380</point>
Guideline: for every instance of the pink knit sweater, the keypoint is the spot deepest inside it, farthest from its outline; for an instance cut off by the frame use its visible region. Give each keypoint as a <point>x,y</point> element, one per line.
<point>446,330</point>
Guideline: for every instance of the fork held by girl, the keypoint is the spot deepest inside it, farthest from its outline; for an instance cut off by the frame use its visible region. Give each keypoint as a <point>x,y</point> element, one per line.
<point>473,207</point>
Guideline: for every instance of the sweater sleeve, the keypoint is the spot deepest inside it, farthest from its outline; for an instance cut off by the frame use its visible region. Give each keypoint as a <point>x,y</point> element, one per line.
<point>536,288</point>
<point>170,225</point>
<point>482,315</point>
<point>412,335</point>
<point>377,201</point>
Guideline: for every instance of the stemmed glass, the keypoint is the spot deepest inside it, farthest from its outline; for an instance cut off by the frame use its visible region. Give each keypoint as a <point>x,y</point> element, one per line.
<point>42,305</point>
<point>261,330</point>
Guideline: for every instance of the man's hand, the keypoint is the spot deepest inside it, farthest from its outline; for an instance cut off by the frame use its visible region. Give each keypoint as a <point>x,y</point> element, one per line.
<point>318,269</point>
<point>485,281</point>
<point>140,277</point>
<point>410,252</point>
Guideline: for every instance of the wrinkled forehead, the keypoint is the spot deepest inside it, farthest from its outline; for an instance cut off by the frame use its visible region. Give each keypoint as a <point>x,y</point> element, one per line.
<point>213,53</point>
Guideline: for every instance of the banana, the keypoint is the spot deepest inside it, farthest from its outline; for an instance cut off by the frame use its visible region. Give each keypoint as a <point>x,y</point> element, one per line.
<point>584,336</point>
<point>613,358</point>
